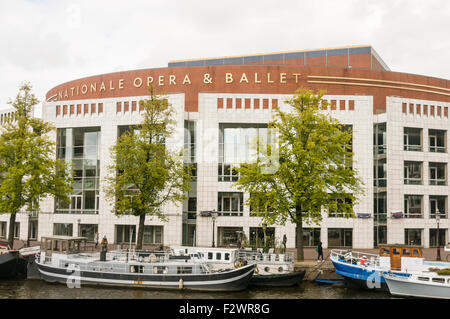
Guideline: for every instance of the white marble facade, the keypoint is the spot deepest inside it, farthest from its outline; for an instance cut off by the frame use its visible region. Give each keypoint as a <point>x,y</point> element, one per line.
<point>360,115</point>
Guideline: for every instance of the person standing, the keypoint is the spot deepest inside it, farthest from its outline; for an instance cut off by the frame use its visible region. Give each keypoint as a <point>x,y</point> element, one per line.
<point>239,243</point>
<point>319,252</point>
<point>104,244</point>
<point>96,239</point>
<point>284,243</point>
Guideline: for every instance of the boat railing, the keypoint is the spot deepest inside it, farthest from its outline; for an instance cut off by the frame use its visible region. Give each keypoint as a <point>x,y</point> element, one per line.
<point>355,257</point>
<point>257,256</point>
<point>139,255</point>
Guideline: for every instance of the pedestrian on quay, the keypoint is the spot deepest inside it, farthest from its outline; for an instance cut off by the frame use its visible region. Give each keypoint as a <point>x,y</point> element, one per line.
<point>284,243</point>
<point>104,244</point>
<point>319,252</point>
<point>239,243</point>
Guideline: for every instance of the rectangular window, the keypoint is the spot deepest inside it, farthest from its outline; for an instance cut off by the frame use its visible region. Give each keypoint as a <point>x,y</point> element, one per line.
<point>341,205</point>
<point>61,229</point>
<point>412,139</point>
<point>379,235</point>
<point>413,237</point>
<point>80,146</point>
<point>413,206</point>
<point>380,206</point>
<point>442,237</point>
<point>17,230</point>
<point>438,173</point>
<point>153,234</point>
<point>189,141</point>
<point>230,204</point>
<point>123,233</point>
<point>260,238</point>
<point>437,141</point>
<point>88,231</point>
<point>228,172</point>
<point>438,205</point>
<point>311,237</point>
<point>3,229</point>
<point>412,173</point>
<point>228,236</point>
<point>340,237</point>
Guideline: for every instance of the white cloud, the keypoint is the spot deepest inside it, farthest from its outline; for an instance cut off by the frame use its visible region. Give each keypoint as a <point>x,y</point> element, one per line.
<point>48,42</point>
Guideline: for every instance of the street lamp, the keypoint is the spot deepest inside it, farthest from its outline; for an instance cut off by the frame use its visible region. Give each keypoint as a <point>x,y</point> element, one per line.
<point>213,216</point>
<point>438,217</point>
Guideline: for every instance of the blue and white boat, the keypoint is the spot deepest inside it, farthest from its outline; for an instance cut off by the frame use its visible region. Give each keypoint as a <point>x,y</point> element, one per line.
<point>366,270</point>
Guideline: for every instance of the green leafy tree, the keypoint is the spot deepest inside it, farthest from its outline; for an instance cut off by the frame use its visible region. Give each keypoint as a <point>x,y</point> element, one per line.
<point>29,171</point>
<point>313,169</point>
<point>145,174</point>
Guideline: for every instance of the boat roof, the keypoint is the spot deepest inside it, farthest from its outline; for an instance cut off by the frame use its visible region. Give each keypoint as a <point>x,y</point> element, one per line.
<point>400,245</point>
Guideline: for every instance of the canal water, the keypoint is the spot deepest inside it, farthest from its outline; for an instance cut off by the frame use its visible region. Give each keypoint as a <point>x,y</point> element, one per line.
<point>38,289</point>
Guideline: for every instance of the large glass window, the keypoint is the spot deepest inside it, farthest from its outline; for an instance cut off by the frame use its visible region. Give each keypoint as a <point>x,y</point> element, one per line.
<point>257,238</point>
<point>340,237</point>
<point>311,237</point>
<point>412,139</point>
<point>379,235</point>
<point>437,140</point>
<point>3,229</point>
<point>338,211</point>
<point>380,172</point>
<point>380,206</point>
<point>123,233</point>
<point>189,141</point>
<point>88,231</point>
<point>413,206</point>
<point>153,234</point>
<point>237,145</point>
<point>442,237</point>
<point>438,173</point>
<point>413,237</point>
<point>379,138</point>
<point>61,229</point>
<point>80,146</point>
<point>228,236</point>
<point>230,204</point>
<point>438,205</point>
<point>412,173</point>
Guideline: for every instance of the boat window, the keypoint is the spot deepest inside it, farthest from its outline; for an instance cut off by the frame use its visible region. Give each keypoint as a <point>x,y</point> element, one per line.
<point>384,251</point>
<point>395,251</point>
<point>210,255</point>
<point>423,278</point>
<point>416,252</point>
<point>158,270</point>
<point>438,280</point>
<point>184,270</point>
<point>406,252</point>
<point>227,256</point>
<point>136,269</point>
<point>218,256</point>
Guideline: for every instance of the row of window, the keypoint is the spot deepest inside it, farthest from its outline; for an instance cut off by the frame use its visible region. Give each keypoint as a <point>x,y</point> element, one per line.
<point>427,110</point>
<point>413,173</point>
<point>412,140</point>
<point>79,109</point>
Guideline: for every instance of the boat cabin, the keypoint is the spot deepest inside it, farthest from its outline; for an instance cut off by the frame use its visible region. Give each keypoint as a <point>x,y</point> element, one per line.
<point>63,245</point>
<point>396,252</point>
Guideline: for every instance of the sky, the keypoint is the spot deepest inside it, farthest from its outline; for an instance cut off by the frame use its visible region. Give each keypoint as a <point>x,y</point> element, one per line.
<point>49,42</point>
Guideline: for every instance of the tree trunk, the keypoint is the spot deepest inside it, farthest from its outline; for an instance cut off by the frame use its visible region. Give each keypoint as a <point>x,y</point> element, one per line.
<point>12,223</point>
<point>140,237</point>
<point>299,235</point>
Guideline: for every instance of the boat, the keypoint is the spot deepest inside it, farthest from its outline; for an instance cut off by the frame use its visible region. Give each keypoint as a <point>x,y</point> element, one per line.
<point>9,264</point>
<point>426,284</point>
<point>64,260</point>
<point>366,270</point>
<point>272,269</point>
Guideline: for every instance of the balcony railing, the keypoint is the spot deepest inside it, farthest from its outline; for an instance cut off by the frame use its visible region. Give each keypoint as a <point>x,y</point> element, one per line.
<point>439,182</point>
<point>413,181</point>
<point>437,149</point>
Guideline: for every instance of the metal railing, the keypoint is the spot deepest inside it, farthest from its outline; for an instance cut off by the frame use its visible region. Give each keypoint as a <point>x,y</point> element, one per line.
<point>355,257</point>
<point>258,256</point>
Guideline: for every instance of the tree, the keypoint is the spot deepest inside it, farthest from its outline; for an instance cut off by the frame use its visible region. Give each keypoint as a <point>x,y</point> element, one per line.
<point>28,168</point>
<point>313,170</point>
<point>145,174</point>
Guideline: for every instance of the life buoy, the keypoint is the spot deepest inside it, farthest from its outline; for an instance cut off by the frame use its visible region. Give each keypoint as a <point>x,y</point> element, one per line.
<point>152,258</point>
<point>237,264</point>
